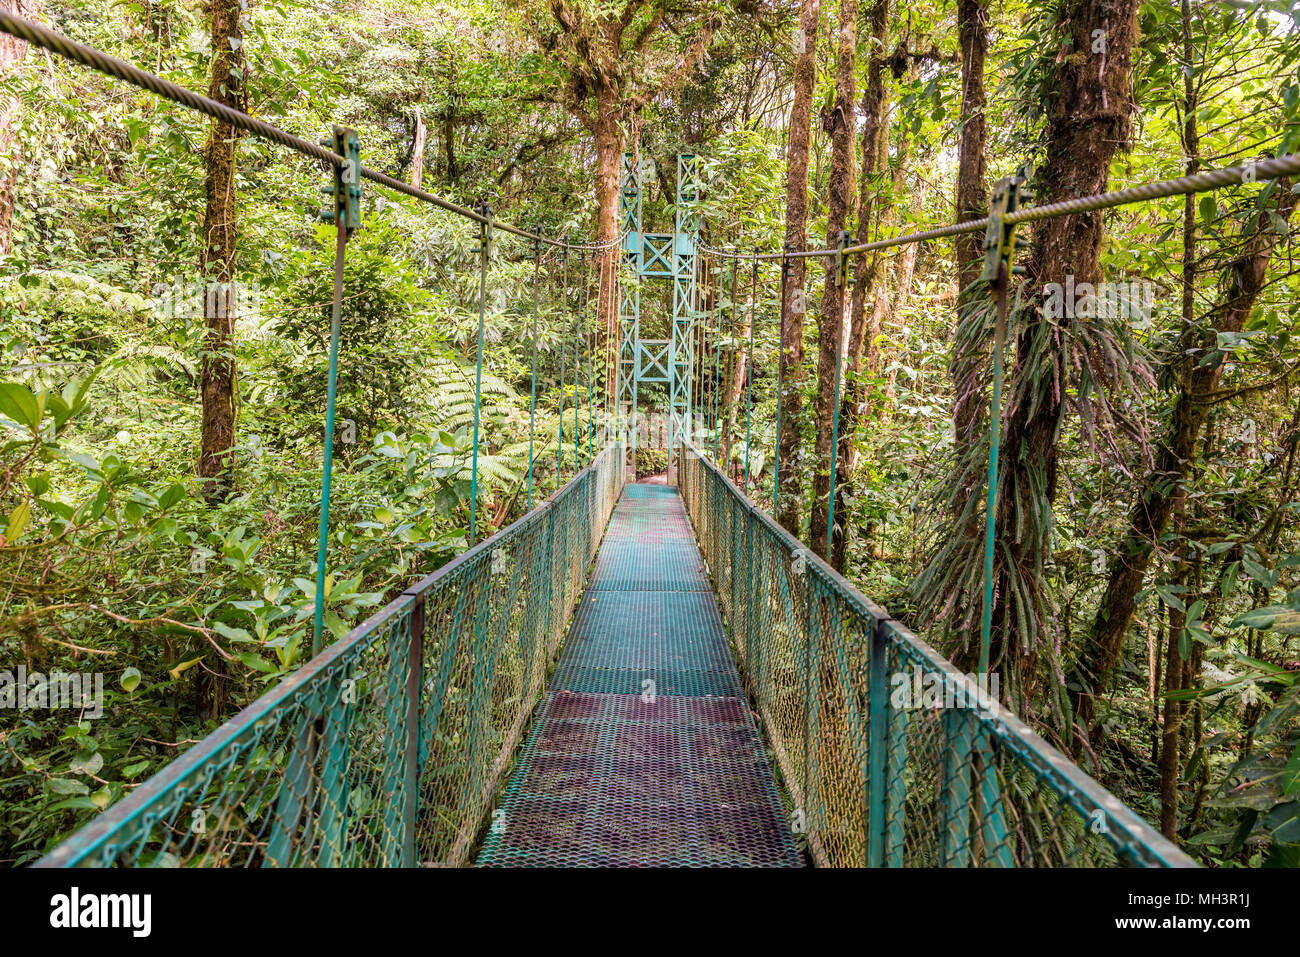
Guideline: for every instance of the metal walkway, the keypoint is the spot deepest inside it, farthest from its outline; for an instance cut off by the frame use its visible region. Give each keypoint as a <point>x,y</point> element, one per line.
<point>389,748</point>
<point>644,752</point>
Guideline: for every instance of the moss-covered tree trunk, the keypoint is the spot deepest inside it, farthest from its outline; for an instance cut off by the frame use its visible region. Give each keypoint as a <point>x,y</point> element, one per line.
<point>608,136</point>
<point>972,34</point>
<point>217,265</point>
<point>1089,119</point>
<point>838,121</point>
<point>875,156</point>
<point>972,202</point>
<point>794,294</point>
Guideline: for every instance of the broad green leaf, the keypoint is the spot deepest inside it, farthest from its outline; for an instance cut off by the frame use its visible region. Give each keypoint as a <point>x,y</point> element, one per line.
<point>1278,618</point>
<point>1258,572</point>
<point>75,804</point>
<point>1169,598</point>
<point>1291,774</point>
<point>18,403</point>
<point>18,520</point>
<point>171,495</point>
<point>234,634</point>
<point>67,786</point>
<point>255,661</point>
<point>87,763</point>
<point>1258,617</point>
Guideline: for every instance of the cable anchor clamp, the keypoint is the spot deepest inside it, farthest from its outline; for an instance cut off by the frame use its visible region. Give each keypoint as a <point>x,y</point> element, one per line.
<point>345,192</point>
<point>842,257</point>
<point>1000,241</point>
<point>484,247</point>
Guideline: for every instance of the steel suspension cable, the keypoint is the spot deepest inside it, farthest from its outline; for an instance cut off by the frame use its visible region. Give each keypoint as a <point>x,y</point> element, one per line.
<point>485,241</point>
<point>577,367</point>
<point>780,388</point>
<point>578,350</point>
<point>618,361</point>
<point>717,359</point>
<point>611,343</point>
<point>1243,173</point>
<point>835,421</point>
<point>611,346</point>
<point>706,315</point>
<point>532,402</point>
<point>591,358</point>
<point>749,378</point>
<point>735,360</point>
<point>717,352</point>
<point>327,465</point>
<point>564,306</point>
<point>42,36</point>
<point>698,346</point>
<point>995,441</point>
<point>602,337</point>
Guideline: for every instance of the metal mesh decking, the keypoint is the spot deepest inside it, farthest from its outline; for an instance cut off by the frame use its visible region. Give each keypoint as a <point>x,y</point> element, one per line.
<point>644,752</point>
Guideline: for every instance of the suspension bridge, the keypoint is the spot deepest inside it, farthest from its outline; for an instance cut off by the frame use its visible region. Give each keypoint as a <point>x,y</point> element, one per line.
<point>633,673</point>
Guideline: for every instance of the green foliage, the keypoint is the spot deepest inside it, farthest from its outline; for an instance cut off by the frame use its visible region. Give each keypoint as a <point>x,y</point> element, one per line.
<point>110,559</point>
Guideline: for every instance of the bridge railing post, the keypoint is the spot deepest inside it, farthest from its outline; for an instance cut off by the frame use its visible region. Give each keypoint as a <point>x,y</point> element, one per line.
<point>878,716</point>
<point>812,701</point>
<point>411,780</point>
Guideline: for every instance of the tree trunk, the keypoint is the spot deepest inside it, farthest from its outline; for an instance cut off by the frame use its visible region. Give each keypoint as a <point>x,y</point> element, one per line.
<point>608,135</point>
<point>794,295</point>
<point>13,54</point>
<point>968,357</point>
<point>972,31</point>
<point>217,374</point>
<point>417,151</point>
<point>217,265</point>
<point>1175,455</point>
<point>863,333</point>
<point>1089,119</point>
<point>839,122</point>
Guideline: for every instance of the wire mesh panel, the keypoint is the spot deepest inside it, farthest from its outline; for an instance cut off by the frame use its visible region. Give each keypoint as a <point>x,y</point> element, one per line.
<point>892,757</point>
<point>644,753</point>
<point>387,748</point>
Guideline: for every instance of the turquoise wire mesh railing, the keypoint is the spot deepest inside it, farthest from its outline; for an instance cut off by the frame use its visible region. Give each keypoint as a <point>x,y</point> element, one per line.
<point>891,757</point>
<point>388,748</point>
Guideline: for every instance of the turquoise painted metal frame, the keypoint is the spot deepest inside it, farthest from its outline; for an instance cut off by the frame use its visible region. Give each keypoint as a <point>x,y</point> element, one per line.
<point>659,256</point>
<point>732,530</point>
<point>309,706</point>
